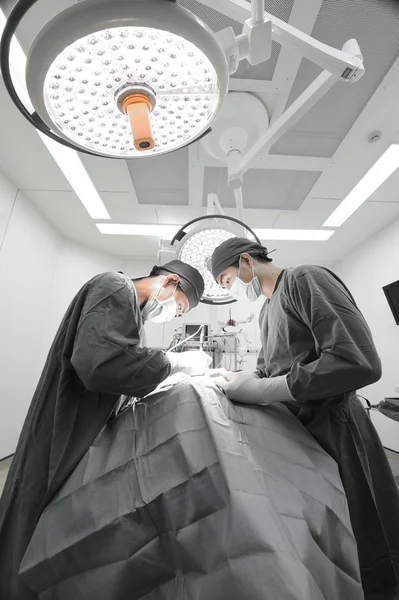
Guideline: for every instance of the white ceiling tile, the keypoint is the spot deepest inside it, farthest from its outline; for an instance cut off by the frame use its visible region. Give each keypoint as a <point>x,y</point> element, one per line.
<point>307,143</point>
<point>161,180</point>
<point>263,188</point>
<point>162,197</point>
<point>388,191</point>
<point>257,218</point>
<point>311,214</point>
<point>107,174</point>
<point>122,208</point>
<point>172,215</point>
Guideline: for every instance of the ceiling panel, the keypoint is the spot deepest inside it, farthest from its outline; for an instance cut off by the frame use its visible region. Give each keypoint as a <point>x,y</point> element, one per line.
<point>213,18</point>
<point>162,197</point>
<point>108,174</point>
<point>311,215</point>
<point>180,216</point>
<point>303,143</point>
<point>161,180</point>
<point>388,191</point>
<point>177,215</point>
<point>122,208</point>
<point>263,188</point>
<point>375,25</point>
<point>340,186</point>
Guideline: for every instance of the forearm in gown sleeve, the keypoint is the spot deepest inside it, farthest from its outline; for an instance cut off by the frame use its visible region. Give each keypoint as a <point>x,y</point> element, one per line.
<point>106,356</point>
<point>347,358</point>
<point>260,365</point>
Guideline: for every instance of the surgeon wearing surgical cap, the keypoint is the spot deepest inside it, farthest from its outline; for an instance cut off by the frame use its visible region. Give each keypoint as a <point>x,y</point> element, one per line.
<point>317,350</point>
<point>97,362</point>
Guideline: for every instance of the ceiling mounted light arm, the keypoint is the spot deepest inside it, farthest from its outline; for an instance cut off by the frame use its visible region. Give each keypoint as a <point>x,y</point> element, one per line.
<point>298,108</point>
<point>214,207</point>
<point>239,203</point>
<point>262,28</point>
<point>255,45</point>
<point>346,63</point>
<point>257,11</point>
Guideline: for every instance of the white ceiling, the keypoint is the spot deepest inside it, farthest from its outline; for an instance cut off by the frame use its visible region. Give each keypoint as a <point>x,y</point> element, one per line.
<point>309,171</point>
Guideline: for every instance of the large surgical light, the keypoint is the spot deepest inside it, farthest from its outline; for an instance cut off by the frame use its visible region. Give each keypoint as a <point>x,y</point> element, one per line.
<point>194,244</point>
<point>138,78</point>
<point>125,78</point>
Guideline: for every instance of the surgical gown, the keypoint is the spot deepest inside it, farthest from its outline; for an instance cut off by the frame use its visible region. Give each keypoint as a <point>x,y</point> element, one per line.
<point>95,358</point>
<point>312,330</point>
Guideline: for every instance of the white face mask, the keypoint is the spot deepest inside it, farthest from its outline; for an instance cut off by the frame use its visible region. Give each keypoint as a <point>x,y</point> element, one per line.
<point>246,291</point>
<point>160,312</point>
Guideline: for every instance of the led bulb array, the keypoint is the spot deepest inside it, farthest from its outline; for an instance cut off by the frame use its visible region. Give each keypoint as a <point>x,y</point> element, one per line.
<point>82,83</point>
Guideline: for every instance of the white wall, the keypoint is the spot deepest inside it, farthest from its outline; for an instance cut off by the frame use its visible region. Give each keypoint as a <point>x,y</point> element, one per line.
<point>76,264</point>
<point>370,267</point>
<point>8,196</point>
<point>40,273</point>
<point>28,259</point>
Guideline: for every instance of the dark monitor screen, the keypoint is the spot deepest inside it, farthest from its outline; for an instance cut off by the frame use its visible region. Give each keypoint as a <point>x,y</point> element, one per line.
<point>391,292</point>
<point>191,329</point>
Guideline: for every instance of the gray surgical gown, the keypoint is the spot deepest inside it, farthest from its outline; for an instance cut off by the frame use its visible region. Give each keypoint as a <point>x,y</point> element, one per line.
<point>313,332</point>
<point>94,360</point>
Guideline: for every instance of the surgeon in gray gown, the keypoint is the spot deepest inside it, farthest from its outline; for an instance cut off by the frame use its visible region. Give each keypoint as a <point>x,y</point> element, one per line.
<point>97,360</point>
<point>317,350</point>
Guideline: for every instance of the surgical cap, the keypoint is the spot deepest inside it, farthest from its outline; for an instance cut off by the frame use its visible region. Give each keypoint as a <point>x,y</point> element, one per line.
<point>191,281</point>
<point>229,253</point>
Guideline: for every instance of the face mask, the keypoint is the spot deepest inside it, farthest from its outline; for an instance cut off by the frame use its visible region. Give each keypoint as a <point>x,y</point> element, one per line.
<point>160,312</point>
<point>246,291</point>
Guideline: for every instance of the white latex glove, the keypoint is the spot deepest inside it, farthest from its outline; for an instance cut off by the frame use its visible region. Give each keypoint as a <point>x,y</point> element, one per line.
<point>192,363</point>
<point>249,389</point>
<point>213,373</point>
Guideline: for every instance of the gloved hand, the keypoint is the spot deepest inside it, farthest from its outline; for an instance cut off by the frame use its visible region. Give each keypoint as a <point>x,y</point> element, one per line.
<point>192,363</point>
<point>247,388</point>
<point>214,373</point>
